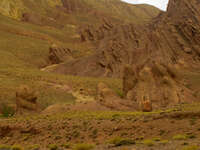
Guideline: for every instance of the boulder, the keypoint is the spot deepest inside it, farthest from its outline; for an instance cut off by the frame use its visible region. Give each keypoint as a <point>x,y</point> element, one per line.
<point>26,100</point>
<point>146,106</point>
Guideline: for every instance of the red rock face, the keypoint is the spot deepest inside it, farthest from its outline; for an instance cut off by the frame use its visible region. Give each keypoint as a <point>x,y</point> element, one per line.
<point>172,37</point>
<point>155,53</point>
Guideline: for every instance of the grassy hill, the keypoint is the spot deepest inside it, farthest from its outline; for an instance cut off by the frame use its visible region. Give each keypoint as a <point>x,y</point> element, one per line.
<point>24,45</point>
<point>78,11</point>
<point>27,30</point>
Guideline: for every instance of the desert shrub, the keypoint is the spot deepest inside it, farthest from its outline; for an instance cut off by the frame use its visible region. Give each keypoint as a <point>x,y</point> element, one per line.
<point>164,142</point>
<point>118,141</point>
<point>84,146</point>
<point>6,110</point>
<point>5,147</point>
<point>156,139</point>
<point>191,136</point>
<point>16,147</point>
<point>53,147</point>
<point>33,147</point>
<point>120,93</point>
<point>193,147</point>
<point>148,142</point>
<point>179,137</point>
<point>67,145</point>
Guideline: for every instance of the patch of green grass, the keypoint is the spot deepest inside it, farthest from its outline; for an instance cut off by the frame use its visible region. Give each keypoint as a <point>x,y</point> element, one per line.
<point>179,137</point>
<point>33,147</point>
<point>193,147</point>
<point>16,147</point>
<point>164,142</point>
<point>52,147</point>
<point>84,146</point>
<point>6,110</point>
<point>118,141</point>
<point>119,92</point>
<point>156,139</point>
<point>67,145</point>
<point>5,147</point>
<point>148,142</point>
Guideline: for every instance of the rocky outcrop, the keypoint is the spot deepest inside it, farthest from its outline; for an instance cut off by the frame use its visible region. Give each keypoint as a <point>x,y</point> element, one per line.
<point>155,85</point>
<point>58,55</point>
<point>26,100</point>
<point>171,38</point>
<point>149,57</point>
<point>92,33</point>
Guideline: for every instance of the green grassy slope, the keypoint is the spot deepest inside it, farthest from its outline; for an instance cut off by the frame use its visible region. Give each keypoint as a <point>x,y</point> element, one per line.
<point>23,54</point>
<point>78,11</point>
<point>24,46</point>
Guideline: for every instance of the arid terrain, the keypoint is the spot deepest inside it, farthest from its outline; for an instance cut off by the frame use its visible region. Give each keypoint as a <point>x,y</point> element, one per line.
<point>99,74</point>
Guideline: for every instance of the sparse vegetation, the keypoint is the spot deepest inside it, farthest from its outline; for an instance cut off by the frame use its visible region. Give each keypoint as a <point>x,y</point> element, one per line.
<point>6,110</point>
<point>83,146</point>
<point>5,147</point>
<point>24,52</point>
<point>193,147</point>
<point>148,142</point>
<point>118,141</point>
<point>16,147</point>
<point>179,137</point>
<point>156,139</point>
<point>33,147</point>
<point>67,145</point>
<point>52,147</point>
<point>164,142</point>
<point>191,136</point>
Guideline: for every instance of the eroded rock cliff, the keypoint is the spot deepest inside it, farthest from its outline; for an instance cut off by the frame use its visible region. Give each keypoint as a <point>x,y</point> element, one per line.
<point>153,52</point>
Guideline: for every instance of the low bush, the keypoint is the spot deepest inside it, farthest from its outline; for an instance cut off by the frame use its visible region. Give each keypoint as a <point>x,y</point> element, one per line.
<point>84,146</point>
<point>6,111</point>
<point>179,137</point>
<point>118,141</point>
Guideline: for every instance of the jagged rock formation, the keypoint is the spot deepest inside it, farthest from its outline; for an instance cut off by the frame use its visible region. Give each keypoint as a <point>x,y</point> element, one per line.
<point>91,33</point>
<point>169,38</point>
<point>158,84</point>
<point>125,37</point>
<point>153,51</point>
<point>172,37</point>
<point>58,55</point>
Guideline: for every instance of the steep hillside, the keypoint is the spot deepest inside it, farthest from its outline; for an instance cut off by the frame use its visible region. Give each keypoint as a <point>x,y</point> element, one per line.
<point>102,73</point>
<point>29,27</point>
<point>59,12</point>
<point>158,55</point>
<point>171,37</point>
